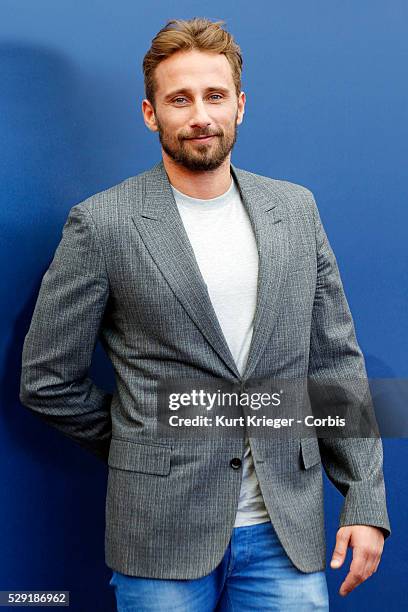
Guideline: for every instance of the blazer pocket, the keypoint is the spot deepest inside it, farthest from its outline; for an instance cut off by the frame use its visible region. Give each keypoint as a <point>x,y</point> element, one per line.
<point>139,457</point>
<point>310,452</point>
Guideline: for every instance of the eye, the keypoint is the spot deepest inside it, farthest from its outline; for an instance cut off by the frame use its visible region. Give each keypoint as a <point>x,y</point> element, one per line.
<point>215,95</point>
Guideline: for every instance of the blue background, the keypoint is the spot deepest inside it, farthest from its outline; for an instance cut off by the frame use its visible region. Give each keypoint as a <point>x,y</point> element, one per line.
<point>326,107</point>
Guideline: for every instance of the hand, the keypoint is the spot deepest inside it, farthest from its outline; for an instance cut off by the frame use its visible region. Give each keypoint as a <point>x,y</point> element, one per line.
<point>367,543</point>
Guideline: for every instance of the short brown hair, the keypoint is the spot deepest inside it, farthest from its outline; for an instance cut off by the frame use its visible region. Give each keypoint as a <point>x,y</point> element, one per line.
<point>197,33</point>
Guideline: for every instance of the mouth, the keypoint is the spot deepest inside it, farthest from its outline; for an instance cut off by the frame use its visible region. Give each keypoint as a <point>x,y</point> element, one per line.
<point>202,138</point>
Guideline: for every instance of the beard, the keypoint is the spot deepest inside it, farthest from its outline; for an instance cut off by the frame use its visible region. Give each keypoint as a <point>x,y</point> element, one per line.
<point>195,156</point>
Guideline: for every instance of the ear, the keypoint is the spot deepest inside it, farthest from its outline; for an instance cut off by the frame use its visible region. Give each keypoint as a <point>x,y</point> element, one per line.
<point>241,107</point>
<point>149,115</point>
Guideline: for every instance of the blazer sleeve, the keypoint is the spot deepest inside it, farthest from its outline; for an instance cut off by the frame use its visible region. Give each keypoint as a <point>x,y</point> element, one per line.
<point>353,465</point>
<point>62,336</point>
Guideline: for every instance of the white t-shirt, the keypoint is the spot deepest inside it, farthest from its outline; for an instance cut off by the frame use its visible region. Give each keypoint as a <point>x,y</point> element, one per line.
<point>224,245</point>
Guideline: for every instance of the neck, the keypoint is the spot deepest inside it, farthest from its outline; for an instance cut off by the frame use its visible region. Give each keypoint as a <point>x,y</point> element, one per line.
<point>202,184</point>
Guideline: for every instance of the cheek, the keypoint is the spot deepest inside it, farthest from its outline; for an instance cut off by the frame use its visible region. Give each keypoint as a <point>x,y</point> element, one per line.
<point>227,118</point>
<point>172,123</point>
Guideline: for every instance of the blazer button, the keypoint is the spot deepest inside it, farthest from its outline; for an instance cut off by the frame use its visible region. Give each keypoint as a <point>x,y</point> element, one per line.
<point>235,463</point>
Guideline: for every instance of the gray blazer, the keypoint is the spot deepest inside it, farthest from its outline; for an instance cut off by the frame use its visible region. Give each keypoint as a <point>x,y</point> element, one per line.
<point>125,272</point>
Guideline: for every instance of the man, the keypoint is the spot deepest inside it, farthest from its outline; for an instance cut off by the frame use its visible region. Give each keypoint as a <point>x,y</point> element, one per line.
<point>196,269</point>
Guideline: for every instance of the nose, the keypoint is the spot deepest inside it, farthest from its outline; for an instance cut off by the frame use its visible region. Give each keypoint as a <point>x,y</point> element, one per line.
<point>199,117</point>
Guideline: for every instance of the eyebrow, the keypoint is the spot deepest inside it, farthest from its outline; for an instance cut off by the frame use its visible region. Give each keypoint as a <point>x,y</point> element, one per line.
<point>185,90</point>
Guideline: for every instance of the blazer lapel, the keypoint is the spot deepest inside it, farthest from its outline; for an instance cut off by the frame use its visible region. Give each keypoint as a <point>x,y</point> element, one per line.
<point>161,228</point>
<point>264,209</point>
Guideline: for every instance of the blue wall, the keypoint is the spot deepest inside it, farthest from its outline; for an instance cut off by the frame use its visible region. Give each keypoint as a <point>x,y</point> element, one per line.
<point>326,107</point>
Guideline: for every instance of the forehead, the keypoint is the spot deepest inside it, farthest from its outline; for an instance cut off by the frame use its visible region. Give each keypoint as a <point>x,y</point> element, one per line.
<point>193,69</point>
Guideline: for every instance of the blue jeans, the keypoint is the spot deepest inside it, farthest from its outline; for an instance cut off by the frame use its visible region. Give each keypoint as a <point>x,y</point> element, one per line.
<point>254,574</point>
